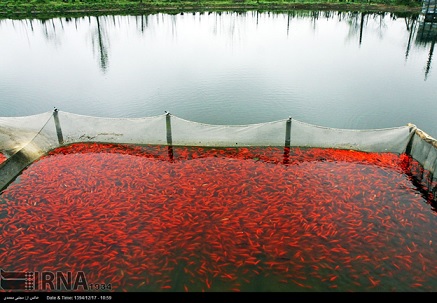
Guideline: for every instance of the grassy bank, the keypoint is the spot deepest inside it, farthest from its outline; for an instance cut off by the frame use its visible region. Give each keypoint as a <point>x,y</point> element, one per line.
<point>39,8</point>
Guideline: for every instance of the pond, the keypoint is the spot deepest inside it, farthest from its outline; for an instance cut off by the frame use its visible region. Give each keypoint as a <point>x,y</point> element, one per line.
<point>336,69</point>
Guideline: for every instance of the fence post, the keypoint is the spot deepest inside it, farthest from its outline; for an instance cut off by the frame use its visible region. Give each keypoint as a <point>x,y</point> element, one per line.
<point>58,127</point>
<point>287,141</point>
<point>169,137</point>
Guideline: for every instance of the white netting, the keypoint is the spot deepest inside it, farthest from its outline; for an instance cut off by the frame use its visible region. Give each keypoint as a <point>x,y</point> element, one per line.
<point>25,139</point>
<point>17,132</point>
<point>78,128</point>
<point>188,133</point>
<point>374,140</point>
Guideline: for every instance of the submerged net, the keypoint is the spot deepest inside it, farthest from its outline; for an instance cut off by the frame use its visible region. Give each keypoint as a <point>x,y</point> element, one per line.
<point>25,139</point>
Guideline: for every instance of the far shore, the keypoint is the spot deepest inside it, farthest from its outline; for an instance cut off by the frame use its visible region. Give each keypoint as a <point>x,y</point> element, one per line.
<point>19,10</point>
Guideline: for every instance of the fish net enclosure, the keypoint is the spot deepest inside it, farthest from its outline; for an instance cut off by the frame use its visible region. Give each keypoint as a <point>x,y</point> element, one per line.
<point>165,204</point>
<point>25,139</point>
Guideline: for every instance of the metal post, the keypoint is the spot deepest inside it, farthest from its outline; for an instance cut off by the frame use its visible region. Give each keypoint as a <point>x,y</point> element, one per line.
<point>287,141</point>
<point>433,190</point>
<point>58,127</point>
<point>288,132</point>
<point>169,137</point>
<point>434,194</point>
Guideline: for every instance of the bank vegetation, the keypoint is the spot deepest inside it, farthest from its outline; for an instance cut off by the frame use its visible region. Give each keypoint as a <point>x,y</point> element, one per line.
<point>39,8</point>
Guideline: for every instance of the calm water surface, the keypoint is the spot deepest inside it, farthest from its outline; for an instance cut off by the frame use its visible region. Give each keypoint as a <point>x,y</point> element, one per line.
<point>344,70</point>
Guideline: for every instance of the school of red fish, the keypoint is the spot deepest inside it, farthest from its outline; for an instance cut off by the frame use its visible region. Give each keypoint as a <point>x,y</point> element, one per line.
<point>155,218</point>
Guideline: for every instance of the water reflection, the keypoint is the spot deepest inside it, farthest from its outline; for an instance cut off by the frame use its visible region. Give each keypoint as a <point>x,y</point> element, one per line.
<point>52,29</point>
<point>410,25</point>
<point>142,22</point>
<point>100,43</point>
<point>425,33</point>
<point>211,66</point>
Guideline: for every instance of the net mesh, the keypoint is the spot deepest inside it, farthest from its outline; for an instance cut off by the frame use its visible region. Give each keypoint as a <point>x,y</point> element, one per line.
<point>25,139</point>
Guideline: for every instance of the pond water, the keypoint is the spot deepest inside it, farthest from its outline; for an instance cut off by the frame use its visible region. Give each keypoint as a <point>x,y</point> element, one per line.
<point>334,69</point>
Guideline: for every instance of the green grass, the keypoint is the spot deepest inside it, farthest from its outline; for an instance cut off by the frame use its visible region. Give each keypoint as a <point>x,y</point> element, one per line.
<point>38,8</point>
